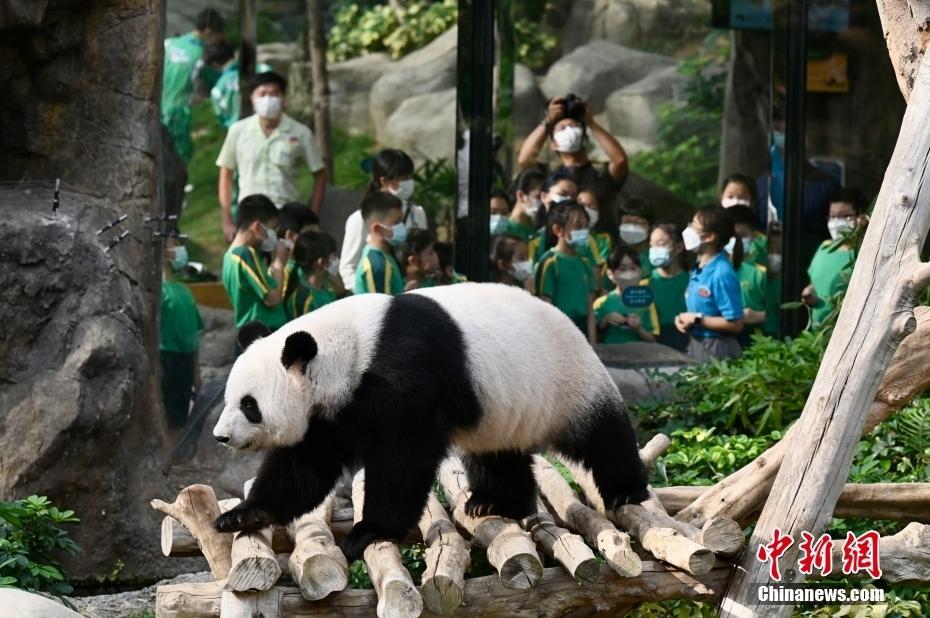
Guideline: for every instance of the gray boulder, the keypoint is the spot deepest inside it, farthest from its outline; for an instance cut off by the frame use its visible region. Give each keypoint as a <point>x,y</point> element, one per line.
<point>278,56</point>
<point>595,70</point>
<point>424,125</point>
<point>632,111</point>
<point>15,603</point>
<point>430,69</point>
<point>529,104</point>
<point>632,22</point>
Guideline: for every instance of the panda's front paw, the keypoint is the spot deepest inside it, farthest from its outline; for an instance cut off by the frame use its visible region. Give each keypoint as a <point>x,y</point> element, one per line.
<point>354,543</point>
<point>242,518</point>
<point>635,496</point>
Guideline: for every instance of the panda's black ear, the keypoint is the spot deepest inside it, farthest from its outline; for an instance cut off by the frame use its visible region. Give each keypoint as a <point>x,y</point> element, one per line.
<point>252,331</point>
<point>299,347</point>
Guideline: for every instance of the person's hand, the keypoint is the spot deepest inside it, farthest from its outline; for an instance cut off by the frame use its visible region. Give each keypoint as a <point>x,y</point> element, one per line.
<point>633,322</point>
<point>684,321</point>
<point>412,284</point>
<point>863,221</point>
<point>809,295</point>
<point>616,319</point>
<point>555,110</point>
<point>281,253</point>
<point>588,113</point>
<point>229,230</point>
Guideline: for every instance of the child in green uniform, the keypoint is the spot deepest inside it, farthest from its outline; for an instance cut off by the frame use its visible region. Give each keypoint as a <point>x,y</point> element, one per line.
<point>378,271</point>
<point>601,236</point>
<point>556,189</point>
<point>419,260</point>
<point>447,274</point>
<point>619,322</point>
<point>316,259</point>
<point>752,274</point>
<point>255,290</point>
<point>831,266</point>
<point>563,277</point>
<point>179,343</point>
<point>636,219</point>
<point>510,262</point>
<point>525,196</point>
<point>500,212</point>
<point>669,281</point>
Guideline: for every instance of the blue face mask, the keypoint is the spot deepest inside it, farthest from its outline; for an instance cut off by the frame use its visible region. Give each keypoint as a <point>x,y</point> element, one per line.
<point>660,256</point>
<point>578,238</point>
<point>498,224</point>
<point>179,260</point>
<point>400,235</point>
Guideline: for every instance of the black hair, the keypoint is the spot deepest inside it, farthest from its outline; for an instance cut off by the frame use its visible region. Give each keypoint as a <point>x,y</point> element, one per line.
<point>557,177</point>
<point>505,246</point>
<point>575,109</point>
<point>418,240</point>
<point>526,181</point>
<point>542,215</point>
<point>309,247</point>
<point>850,196</point>
<point>379,204</point>
<point>294,217</point>
<point>268,77</point>
<point>564,212</point>
<point>746,181</point>
<point>210,19</point>
<point>218,53</point>
<point>744,215</point>
<point>389,163</point>
<point>606,219</point>
<point>252,208</point>
<point>445,253</point>
<point>499,194</point>
<point>637,207</point>
<point>621,251</point>
<point>717,220</point>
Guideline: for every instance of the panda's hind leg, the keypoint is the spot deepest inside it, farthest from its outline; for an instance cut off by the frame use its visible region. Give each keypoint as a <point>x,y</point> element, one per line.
<point>502,483</point>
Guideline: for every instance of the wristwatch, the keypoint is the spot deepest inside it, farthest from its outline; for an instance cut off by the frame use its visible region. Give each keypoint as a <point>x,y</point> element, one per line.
<point>698,319</point>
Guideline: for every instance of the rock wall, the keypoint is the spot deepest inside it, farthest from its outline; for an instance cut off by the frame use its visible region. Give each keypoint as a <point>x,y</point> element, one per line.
<point>80,418</point>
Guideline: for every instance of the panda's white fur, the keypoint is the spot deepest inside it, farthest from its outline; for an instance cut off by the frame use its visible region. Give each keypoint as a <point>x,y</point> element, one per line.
<point>530,367</point>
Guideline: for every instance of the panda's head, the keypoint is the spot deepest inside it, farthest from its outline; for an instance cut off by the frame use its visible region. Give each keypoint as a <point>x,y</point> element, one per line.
<point>268,397</point>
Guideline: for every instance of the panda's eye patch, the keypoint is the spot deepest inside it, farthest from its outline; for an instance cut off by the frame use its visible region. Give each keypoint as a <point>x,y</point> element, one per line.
<point>249,408</point>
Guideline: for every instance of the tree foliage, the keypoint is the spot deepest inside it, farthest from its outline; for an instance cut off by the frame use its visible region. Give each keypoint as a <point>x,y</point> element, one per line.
<point>29,539</point>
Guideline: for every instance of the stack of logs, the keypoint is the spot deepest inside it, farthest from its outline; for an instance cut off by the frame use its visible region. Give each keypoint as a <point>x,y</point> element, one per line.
<point>676,560</point>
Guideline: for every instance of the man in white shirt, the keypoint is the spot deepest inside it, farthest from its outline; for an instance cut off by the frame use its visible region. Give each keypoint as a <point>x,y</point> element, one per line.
<point>267,149</point>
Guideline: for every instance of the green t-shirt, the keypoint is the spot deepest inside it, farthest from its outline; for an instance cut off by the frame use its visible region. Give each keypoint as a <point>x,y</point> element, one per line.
<point>669,296</point>
<point>307,298</point>
<point>180,319</point>
<point>613,303</point>
<point>225,93</point>
<point>772,304</point>
<point>246,282</point>
<point>753,283</point>
<point>829,273</point>
<point>567,280</point>
<point>378,272</point>
<point>758,249</point>
<point>182,54</point>
<point>521,230</point>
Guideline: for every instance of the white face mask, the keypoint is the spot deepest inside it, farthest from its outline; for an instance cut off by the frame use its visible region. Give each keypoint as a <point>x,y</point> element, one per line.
<point>730,202</point>
<point>557,198</point>
<point>592,216</point>
<point>267,106</point>
<point>660,256</point>
<point>731,244</point>
<point>522,270</point>
<point>839,226</point>
<point>333,267</point>
<point>270,241</point>
<point>498,224</point>
<point>633,233</point>
<point>578,238</point>
<point>569,139</point>
<point>775,263</point>
<point>404,190</point>
<point>533,207</point>
<point>691,239</point>
<point>627,276</point>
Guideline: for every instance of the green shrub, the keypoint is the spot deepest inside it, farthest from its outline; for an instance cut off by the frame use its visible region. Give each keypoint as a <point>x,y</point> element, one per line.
<point>436,186</point>
<point>29,539</point>
<point>358,30</point>
<point>700,456</point>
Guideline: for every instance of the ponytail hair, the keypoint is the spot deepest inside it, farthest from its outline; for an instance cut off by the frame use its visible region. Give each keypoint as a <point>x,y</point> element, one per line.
<point>717,220</point>
<point>526,181</point>
<point>389,163</point>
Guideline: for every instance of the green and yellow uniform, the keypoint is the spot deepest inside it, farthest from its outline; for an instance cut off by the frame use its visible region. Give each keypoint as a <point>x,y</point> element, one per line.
<point>645,268</point>
<point>378,272</point>
<point>178,345</point>
<point>604,244</point>
<point>537,246</point>
<point>307,298</point>
<point>758,249</point>
<point>753,283</point>
<point>669,302</point>
<point>246,282</point>
<point>613,303</point>
<point>567,280</point>
<point>520,230</point>
<point>182,54</point>
<point>829,272</point>
<point>458,278</point>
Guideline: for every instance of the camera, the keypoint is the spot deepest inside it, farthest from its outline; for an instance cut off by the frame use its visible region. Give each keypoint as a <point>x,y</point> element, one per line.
<point>574,107</point>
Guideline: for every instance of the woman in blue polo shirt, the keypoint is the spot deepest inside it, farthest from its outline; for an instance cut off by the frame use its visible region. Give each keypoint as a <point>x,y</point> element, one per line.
<point>714,299</point>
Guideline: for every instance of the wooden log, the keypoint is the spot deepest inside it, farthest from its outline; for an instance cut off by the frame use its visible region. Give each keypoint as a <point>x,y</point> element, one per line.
<point>253,562</point>
<point>447,558</point>
<point>876,315</point>
<point>262,603</point>
<point>566,547</point>
<point>654,449</point>
<point>174,534</point>
<point>740,496</point>
<point>557,594</point>
<point>904,23</point>
<point>316,564</point>
<point>196,507</point>
<point>904,557</point>
<point>510,549</point>
<point>888,501</point>
<point>664,542</point>
<point>397,596</point>
<point>612,544</point>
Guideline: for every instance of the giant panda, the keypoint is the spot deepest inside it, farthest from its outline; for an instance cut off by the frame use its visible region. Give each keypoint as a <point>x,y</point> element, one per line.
<point>392,383</point>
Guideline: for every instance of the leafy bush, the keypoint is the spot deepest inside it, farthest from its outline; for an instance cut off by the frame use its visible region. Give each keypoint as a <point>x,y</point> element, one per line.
<point>688,154</point>
<point>29,538</point>
<point>535,47</point>
<point>436,186</point>
<point>699,456</point>
<point>764,389</point>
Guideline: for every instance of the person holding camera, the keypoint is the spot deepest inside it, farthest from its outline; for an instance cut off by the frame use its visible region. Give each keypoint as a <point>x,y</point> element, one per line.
<point>567,124</point>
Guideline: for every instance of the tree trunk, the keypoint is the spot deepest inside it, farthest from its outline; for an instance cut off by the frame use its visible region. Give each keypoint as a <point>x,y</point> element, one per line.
<point>316,48</point>
<point>905,23</point>
<point>877,313</point>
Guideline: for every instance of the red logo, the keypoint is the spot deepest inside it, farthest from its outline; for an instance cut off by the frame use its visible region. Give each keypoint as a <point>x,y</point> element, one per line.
<point>860,553</point>
<point>773,551</point>
<point>816,555</point>
<point>704,292</point>
<point>293,140</point>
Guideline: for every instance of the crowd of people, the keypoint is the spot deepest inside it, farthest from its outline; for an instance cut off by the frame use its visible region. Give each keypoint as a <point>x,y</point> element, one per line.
<point>616,269</point>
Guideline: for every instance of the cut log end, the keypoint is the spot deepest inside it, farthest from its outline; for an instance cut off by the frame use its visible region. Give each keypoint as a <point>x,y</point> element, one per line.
<point>614,546</point>
<point>722,536</point>
<point>701,561</point>
<point>588,572</point>
<point>441,594</point>
<point>254,573</point>
<point>521,571</point>
<point>321,576</point>
<point>399,599</point>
